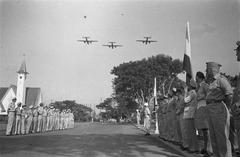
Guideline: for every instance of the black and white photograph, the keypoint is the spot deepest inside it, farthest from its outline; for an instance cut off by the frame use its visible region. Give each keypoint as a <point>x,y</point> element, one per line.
<point>119,78</point>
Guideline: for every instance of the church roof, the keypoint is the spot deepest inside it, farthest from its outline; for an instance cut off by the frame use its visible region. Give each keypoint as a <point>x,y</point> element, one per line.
<point>3,91</point>
<point>32,96</point>
<point>23,68</point>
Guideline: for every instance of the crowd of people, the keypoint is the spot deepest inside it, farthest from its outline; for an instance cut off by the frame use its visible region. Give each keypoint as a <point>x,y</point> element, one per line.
<point>35,119</point>
<point>206,110</point>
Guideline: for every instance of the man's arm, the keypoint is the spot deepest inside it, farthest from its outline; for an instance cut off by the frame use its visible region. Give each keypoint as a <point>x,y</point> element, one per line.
<point>227,89</point>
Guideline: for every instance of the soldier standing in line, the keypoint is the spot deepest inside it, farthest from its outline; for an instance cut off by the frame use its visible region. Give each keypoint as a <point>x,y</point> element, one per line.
<point>29,119</point>
<point>201,121</point>
<point>147,115</point>
<point>176,126</point>
<point>44,128</point>
<point>40,117</point>
<point>18,119</point>
<point>180,121</point>
<point>23,119</point>
<point>58,119</point>
<point>48,119</point>
<point>189,114</point>
<point>11,117</point>
<point>72,119</point>
<point>35,119</point>
<point>51,118</point>
<point>219,98</point>
<point>164,111</point>
<point>235,110</point>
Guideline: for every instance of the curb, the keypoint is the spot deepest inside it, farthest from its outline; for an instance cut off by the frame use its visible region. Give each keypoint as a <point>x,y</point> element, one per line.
<point>176,148</point>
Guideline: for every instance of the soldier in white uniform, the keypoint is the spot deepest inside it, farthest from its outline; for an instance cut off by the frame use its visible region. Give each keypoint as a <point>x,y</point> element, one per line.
<point>23,119</point>
<point>18,119</point>
<point>147,115</point>
<point>219,99</point>
<point>11,116</point>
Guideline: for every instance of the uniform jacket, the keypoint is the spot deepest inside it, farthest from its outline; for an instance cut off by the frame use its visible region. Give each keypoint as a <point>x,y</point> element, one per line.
<point>190,104</point>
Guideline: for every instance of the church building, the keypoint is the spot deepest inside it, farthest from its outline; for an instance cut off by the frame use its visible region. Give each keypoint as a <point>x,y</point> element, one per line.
<point>25,95</point>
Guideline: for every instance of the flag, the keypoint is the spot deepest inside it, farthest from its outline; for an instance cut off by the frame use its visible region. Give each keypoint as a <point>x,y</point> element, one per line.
<point>187,67</point>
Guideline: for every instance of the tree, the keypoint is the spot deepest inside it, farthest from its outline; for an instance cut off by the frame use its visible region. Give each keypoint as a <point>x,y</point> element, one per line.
<point>133,84</point>
<point>80,112</point>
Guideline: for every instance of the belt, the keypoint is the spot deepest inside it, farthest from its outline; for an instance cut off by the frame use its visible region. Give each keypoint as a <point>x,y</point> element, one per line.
<point>213,101</point>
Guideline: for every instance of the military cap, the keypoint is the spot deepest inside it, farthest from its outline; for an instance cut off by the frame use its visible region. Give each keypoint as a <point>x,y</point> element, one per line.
<point>31,106</point>
<point>211,65</point>
<point>146,104</point>
<point>24,105</point>
<point>14,98</point>
<point>41,104</point>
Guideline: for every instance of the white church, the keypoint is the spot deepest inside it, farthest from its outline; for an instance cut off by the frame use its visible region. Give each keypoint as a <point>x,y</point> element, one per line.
<point>25,95</point>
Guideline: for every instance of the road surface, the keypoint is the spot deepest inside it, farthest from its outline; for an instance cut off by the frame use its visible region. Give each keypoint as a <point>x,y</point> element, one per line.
<point>87,140</point>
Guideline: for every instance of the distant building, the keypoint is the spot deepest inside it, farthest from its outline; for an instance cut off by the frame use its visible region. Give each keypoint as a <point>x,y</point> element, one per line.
<point>25,95</point>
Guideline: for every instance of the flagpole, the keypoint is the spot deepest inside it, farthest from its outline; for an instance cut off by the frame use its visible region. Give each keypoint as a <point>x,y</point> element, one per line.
<point>155,104</point>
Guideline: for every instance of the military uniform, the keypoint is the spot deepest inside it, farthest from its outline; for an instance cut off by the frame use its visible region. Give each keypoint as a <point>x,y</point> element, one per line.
<point>35,119</point>
<point>235,110</point>
<point>11,117</point>
<point>18,120</point>
<point>23,120</point>
<point>188,115</point>
<point>45,114</point>
<point>179,119</point>
<point>40,118</point>
<point>29,119</point>
<point>147,118</point>
<point>218,114</point>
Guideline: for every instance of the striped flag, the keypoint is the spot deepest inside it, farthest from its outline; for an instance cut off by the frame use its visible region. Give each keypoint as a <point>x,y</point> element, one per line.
<point>187,67</point>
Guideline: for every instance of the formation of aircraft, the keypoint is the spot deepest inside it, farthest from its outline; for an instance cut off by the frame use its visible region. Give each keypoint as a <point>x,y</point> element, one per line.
<point>146,41</point>
<point>87,41</point>
<point>112,45</point>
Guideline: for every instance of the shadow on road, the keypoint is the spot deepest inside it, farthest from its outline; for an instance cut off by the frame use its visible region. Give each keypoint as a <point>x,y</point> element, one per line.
<point>91,145</point>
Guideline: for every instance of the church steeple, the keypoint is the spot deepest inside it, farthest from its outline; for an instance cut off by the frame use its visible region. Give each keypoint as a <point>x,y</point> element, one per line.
<point>22,75</point>
<point>23,69</point>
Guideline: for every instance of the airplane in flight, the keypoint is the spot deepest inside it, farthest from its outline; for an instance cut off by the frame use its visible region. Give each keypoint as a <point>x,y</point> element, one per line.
<point>112,45</point>
<point>146,41</point>
<point>87,41</point>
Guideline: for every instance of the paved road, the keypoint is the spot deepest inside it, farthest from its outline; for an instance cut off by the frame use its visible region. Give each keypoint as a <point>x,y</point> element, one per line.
<point>87,140</point>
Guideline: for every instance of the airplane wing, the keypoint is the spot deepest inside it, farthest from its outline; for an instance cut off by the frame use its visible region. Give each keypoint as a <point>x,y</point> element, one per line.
<point>81,40</point>
<point>152,41</point>
<point>117,45</point>
<point>107,45</point>
<point>141,40</point>
<point>93,41</point>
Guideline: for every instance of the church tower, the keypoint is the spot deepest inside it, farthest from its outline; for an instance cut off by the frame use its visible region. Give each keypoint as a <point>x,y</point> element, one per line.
<point>22,75</point>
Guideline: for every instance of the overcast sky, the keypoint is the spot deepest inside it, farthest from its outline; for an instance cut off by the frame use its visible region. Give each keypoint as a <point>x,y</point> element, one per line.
<point>46,31</point>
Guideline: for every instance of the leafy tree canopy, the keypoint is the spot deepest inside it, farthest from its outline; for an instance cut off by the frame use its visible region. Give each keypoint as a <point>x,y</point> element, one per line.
<point>135,79</point>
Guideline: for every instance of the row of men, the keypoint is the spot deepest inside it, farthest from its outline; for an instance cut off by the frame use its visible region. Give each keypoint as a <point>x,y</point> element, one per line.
<point>201,108</point>
<point>32,119</point>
